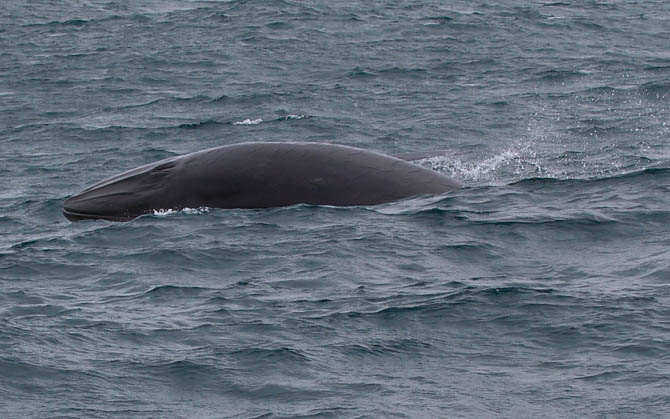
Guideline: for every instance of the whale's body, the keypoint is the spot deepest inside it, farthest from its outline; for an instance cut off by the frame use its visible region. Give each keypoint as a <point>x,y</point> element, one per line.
<point>257,175</point>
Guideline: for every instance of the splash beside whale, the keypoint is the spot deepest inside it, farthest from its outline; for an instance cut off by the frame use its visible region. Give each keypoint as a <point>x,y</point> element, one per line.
<point>257,175</point>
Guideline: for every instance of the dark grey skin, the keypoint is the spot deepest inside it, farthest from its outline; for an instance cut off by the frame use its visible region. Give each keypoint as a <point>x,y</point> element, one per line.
<point>257,175</point>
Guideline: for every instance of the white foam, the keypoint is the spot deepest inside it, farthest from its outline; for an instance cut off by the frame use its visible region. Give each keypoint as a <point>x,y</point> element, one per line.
<point>197,211</point>
<point>293,116</point>
<point>189,211</point>
<point>249,122</point>
<point>164,212</point>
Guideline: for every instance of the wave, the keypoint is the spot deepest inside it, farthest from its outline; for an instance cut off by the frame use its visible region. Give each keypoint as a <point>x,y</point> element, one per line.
<point>208,123</point>
<point>653,173</point>
<point>436,304</point>
<point>393,72</point>
<point>171,291</point>
<point>650,90</point>
<point>559,76</point>
<point>248,122</point>
<point>254,355</point>
<point>56,23</point>
<point>251,99</point>
<point>40,310</point>
<point>383,348</point>
<point>438,20</point>
<point>82,22</point>
<point>655,89</point>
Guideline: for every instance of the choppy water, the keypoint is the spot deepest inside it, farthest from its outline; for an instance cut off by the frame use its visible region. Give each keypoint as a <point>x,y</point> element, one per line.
<point>538,290</point>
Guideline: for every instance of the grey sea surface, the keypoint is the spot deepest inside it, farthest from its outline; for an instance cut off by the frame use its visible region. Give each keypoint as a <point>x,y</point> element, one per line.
<point>539,289</point>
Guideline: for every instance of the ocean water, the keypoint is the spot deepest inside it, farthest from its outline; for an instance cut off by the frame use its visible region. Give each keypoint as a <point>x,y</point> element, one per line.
<point>539,289</point>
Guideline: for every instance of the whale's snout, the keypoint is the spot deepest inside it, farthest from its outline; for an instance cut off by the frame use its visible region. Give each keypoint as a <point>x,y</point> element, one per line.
<point>81,207</point>
<point>122,197</point>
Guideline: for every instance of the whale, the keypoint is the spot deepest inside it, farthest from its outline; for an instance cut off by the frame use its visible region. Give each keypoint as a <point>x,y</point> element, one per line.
<point>258,175</point>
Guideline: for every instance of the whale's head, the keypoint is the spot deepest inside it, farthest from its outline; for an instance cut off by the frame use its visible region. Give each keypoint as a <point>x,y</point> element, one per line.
<point>127,195</point>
